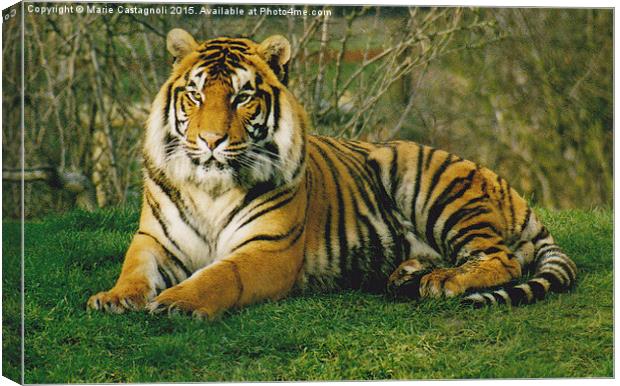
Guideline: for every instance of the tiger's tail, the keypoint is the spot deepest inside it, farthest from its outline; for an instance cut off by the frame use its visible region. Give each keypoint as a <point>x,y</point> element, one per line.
<point>553,271</point>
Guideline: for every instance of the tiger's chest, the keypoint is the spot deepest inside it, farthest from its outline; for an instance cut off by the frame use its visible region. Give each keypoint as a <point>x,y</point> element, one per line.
<point>199,228</point>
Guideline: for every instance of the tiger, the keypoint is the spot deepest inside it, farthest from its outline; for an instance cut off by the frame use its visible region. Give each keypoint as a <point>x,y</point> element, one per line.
<point>242,204</point>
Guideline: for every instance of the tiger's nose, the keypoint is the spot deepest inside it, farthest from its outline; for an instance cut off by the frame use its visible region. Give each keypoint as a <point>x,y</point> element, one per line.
<point>212,139</point>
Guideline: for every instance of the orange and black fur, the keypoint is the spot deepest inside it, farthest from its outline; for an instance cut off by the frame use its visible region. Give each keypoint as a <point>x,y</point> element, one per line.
<point>242,204</point>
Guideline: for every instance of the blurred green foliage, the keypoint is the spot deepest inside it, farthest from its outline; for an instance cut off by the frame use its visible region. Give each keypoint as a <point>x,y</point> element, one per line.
<point>525,92</point>
<point>536,106</point>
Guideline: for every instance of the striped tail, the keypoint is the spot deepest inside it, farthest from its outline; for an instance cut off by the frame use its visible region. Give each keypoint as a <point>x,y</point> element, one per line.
<point>553,271</point>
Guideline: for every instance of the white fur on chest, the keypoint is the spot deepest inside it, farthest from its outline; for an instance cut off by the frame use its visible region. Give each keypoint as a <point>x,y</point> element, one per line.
<point>208,233</point>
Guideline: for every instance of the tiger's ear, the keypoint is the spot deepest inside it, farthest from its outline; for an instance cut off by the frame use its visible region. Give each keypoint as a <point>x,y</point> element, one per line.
<point>180,43</point>
<point>276,51</point>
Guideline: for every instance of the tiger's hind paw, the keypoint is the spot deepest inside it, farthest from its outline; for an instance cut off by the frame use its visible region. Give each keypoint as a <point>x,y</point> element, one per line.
<point>442,282</point>
<point>417,278</point>
<point>404,282</point>
<point>409,288</point>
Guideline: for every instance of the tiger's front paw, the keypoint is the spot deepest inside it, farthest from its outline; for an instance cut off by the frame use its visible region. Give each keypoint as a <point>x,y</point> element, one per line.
<point>180,300</point>
<point>121,298</point>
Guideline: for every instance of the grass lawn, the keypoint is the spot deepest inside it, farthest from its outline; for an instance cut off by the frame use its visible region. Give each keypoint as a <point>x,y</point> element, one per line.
<point>338,336</point>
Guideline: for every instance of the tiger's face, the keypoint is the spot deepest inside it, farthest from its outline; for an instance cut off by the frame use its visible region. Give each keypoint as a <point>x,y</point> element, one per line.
<point>225,116</point>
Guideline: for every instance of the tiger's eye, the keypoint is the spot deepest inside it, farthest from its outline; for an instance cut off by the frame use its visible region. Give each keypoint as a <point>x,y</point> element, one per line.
<point>197,95</point>
<point>242,98</point>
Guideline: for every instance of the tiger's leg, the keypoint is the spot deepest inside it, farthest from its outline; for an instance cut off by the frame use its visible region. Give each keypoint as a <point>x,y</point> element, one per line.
<point>258,271</point>
<point>486,262</point>
<point>493,267</point>
<point>139,278</point>
<point>421,278</point>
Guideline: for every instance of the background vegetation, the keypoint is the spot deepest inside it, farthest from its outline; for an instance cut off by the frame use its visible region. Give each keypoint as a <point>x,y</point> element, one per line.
<point>526,92</point>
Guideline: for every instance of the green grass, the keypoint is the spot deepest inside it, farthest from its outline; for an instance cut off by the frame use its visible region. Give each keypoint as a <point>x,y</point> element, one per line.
<point>347,335</point>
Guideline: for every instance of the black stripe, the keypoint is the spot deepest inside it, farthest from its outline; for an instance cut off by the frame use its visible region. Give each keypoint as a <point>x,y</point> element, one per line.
<point>328,237</point>
<point>350,145</point>
<point>255,114</point>
<point>464,231</point>
<point>297,236</point>
<point>359,174</point>
<point>169,254</point>
<point>225,43</point>
<point>302,161</point>
<point>386,205</point>
<point>378,252</point>
<point>498,298</point>
<point>513,220</point>
<point>353,277</point>
<point>361,145</point>
<point>155,239</point>
<point>538,290</point>
<point>543,233</point>
<point>461,213</point>
<point>478,211</point>
<point>157,214</point>
<point>468,214</point>
<point>526,222</point>
<point>262,189</point>
<point>444,200</point>
<point>502,194</point>
<point>394,178</point>
<point>342,235</point>
<point>416,192</point>
<point>548,249</point>
<point>276,108</point>
<point>273,150</point>
<point>255,192</point>
<point>170,144</point>
<point>165,277</point>
<point>270,209</point>
<point>167,105</point>
<point>436,176</point>
<point>269,237</point>
<point>517,295</point>
<point>499,258</point>
<point>492,250</point>
<point>563,266</point>
<point>180,264</point>
<point>429,156</point>
<point>456,249</point>
<point>172,193</point>
<point>516,246</point>
<point>554,281</point>
<point>211,57</point>
<point>155,209</point>
<point>230,51</point>
<point>176,92</point>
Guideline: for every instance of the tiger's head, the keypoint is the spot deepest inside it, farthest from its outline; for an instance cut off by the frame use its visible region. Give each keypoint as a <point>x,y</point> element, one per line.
<point>225,118</point>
